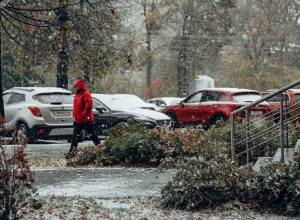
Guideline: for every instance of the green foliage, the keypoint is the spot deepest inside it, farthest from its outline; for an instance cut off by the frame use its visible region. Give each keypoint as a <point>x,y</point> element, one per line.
<point>128,143</point>
<point>200,184</point>
<point>193,142</point>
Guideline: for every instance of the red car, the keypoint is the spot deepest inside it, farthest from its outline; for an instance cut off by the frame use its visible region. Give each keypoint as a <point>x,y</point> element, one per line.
<point>208,106</point>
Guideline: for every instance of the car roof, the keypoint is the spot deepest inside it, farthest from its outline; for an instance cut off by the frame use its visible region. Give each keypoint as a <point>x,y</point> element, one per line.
<point>126,95</point>
<point>294,91</point>
<point>37,90</point>
<point>231,90</point>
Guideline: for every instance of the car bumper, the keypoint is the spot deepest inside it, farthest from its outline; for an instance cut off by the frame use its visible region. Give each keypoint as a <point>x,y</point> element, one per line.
<point>47,132</point>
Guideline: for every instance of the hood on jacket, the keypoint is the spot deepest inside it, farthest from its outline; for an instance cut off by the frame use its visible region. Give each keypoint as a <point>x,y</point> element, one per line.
<point>81,84</point>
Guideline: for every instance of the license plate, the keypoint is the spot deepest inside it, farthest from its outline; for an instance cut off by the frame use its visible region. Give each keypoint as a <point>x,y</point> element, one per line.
<point>61,113</point>
<point>256,112</point>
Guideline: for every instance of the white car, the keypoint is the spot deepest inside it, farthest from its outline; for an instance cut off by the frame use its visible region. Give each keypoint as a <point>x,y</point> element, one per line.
<point>137,101</point>
<point>39,112</point>
<point>162,102</point>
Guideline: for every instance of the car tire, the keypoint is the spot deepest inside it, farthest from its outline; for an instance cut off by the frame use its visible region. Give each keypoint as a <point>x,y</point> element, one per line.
<point>24,131</point>
<point>216,118</point>
<point>173,120</point>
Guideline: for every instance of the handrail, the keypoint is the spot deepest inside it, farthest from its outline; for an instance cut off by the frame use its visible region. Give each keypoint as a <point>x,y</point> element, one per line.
<point>283,122</point>
<point>265,97</point>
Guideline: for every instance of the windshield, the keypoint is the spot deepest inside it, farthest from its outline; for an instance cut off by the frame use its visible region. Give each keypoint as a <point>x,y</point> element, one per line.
<point>246,97</point>
<point>47,98</point>
<point>117,104</point>
<point>134,100</point>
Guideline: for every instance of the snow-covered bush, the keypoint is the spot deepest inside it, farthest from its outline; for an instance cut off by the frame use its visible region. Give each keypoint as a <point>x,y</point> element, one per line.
<point>199,184</point>
<point>130,145</point>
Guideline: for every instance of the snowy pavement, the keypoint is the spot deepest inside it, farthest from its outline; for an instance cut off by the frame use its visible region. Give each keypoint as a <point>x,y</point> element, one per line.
<point>101,183</point>
<point>49,149</point>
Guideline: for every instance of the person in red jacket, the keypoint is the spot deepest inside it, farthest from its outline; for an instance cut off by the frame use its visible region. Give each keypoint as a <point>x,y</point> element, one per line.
<point>83,115</point>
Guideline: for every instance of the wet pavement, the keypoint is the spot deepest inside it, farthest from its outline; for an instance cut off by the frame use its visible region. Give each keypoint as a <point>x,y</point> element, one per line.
<point>101,182</point>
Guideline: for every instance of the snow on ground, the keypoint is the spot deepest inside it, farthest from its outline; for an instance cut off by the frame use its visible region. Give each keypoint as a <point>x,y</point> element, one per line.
<point>60,206</point>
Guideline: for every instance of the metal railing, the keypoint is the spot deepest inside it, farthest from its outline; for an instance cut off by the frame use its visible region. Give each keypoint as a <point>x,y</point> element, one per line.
<point>281,118</point>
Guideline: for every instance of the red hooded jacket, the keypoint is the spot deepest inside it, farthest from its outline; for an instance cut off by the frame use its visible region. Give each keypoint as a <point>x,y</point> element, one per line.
<point>83,104</point>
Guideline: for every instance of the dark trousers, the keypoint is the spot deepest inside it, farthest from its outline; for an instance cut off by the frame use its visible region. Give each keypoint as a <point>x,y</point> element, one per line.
<point>89,128</point>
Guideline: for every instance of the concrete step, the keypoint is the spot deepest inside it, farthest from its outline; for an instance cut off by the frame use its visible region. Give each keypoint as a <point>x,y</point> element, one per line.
<point>288,155</point>
<point>262,161</point>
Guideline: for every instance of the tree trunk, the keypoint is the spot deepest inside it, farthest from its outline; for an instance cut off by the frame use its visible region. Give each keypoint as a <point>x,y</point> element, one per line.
<point>181,62</point>
<point>1,91</point>
<point>63,57</point>
<point>148,60</point>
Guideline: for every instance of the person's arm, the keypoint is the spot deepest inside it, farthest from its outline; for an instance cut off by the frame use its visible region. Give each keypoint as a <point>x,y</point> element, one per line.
<point>88,104</point>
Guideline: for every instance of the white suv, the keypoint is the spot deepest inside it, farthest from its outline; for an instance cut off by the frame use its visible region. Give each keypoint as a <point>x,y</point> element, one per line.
<point>39,112</point>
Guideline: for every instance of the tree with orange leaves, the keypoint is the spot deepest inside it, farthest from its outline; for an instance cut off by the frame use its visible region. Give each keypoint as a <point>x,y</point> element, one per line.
<point>153,89</point>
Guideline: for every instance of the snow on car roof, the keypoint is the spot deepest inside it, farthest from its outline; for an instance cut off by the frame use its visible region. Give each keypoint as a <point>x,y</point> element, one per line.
<point>35,90</point>
<point>232,89</point>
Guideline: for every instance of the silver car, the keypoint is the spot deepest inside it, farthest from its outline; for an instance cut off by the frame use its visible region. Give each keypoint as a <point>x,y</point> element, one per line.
<point>39,112</point>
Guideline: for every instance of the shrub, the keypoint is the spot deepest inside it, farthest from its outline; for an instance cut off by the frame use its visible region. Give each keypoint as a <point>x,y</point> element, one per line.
<point>16,180</point>
<point>199,184</point>
<point>181,145</point>
<point>132,144</point>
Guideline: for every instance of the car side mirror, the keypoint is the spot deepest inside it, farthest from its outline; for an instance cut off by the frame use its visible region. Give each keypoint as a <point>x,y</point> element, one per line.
<point>162,105</point>
<point>100,109</point>
<point>182,103</point>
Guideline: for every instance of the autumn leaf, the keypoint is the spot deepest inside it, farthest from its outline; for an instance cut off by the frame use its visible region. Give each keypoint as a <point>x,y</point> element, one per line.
<point>78,35</point>
<point>39,14</point>
<point>27,6</point>
<point>59,45</point>
<point>42,81</point>
<point>11,41</point>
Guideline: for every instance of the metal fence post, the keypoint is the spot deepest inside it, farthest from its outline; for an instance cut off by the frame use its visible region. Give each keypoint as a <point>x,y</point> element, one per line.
<point>232,137</point>
<point>281,130</point>
<point>285,120</point>
<point>247,134</point>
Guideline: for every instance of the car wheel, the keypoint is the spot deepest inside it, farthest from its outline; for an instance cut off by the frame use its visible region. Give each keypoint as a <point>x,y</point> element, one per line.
<point>216,118</point>
<point>22,133</point>
<point>173,120</point>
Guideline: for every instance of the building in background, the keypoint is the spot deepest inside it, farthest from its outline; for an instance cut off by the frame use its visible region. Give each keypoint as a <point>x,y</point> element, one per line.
<point>201,82</point>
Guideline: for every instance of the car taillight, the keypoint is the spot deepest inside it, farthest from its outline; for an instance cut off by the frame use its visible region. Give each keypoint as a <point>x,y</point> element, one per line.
<point>42,130</point>
<point>235,106</point>
<point>35,111</point>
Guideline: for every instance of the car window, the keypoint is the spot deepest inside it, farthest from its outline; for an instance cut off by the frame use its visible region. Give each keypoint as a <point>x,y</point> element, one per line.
<point>17,98</point>
<point>160,102</point>
<point>220,96</point>
<point>96,104</point>
<point>276,98</point>
<point>47,98</point>
<point>209,96</point>
<point>194,98</point>
<point>6,97</point>
<point>246,97</point>
<point>297,97</point>
<point>152,102</point>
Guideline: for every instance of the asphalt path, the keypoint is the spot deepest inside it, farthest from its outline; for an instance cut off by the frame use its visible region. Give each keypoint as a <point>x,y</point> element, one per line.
<point>102,183</point>
<point>49,149</point>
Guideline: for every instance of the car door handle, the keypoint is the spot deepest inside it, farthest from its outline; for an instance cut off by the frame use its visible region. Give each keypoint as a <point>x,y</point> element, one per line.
<point>215,106</point>
<point>195,108</point>
<point>19,108</point>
